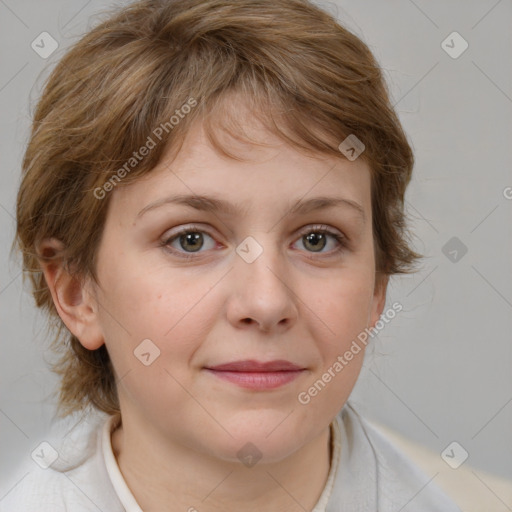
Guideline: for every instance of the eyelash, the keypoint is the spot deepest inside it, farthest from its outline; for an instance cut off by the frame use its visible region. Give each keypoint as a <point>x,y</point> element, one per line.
<point>341,239</point>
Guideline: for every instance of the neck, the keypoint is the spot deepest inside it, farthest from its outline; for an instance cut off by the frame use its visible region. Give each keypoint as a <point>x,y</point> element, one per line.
<point>168,476</point>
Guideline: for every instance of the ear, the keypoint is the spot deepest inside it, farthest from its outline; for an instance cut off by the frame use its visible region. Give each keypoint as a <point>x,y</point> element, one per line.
<point>379,298</point>
<point>72,295</point>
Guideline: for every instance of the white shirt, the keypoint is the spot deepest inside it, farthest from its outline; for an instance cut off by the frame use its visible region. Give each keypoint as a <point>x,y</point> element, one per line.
<point>367,474</point>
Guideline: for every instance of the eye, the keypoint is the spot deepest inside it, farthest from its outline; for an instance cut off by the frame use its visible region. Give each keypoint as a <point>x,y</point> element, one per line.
<point>188,241</point>
<point>316,238</point>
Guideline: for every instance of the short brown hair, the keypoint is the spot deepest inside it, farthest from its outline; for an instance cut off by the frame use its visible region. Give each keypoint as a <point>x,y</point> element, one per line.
<point>311,82</point>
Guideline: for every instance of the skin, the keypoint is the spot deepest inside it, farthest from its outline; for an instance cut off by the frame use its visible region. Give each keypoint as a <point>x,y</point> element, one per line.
<point>181,426</point>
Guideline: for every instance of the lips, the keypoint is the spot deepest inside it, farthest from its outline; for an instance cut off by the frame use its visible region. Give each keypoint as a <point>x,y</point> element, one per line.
<point>248,366</point>
<point>257,375</point>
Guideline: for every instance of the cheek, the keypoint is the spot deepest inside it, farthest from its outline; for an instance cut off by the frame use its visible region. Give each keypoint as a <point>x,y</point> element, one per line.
<point>170,312</point>
<point>343,304</point>
<point>151,304</point>
<point>343,308</point>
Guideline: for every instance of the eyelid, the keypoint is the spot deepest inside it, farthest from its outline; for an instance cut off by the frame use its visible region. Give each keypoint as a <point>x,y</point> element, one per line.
<point>306,229</point>
<point>321,227</point>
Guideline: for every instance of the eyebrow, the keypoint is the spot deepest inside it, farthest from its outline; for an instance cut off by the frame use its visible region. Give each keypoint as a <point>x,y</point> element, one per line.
<point>213,204</point>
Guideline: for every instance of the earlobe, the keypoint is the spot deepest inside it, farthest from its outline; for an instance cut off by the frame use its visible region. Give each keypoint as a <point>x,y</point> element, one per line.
<point>379,299</point>
<point>71,295</point>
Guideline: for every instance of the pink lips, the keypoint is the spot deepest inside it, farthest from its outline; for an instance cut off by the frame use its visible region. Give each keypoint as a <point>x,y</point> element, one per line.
<point>257,375</point>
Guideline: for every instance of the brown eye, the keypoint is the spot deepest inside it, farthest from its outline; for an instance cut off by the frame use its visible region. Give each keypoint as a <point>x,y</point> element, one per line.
<point>315,241</point>
<point>191,241</point>
<point>188,241</point>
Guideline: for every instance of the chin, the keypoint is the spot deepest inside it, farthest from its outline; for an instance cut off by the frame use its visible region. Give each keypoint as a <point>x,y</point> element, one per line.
<point>261,438</point>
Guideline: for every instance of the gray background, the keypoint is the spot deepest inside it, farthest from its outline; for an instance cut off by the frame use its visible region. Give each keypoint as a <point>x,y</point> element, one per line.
<point>441,370</point>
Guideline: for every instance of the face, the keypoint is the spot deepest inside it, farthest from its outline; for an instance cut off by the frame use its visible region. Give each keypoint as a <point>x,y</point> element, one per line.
<point>269,275</point>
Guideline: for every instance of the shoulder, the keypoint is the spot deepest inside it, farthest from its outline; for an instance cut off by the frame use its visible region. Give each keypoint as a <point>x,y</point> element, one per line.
<point>399,483</point>
<point>43,491</point>
<point>65,475</point>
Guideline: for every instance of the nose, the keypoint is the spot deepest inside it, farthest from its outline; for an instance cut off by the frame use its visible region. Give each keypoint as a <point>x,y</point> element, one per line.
<point>261,295</point>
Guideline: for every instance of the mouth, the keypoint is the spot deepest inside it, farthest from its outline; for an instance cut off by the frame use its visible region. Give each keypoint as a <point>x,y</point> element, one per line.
<point>257,375</point>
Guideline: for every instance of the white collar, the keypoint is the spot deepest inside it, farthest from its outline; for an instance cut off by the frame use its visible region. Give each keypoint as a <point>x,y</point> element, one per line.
<point>122,490</point>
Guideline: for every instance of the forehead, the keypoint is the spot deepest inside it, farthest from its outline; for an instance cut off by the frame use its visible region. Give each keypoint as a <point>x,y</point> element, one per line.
<point>270,175</point>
